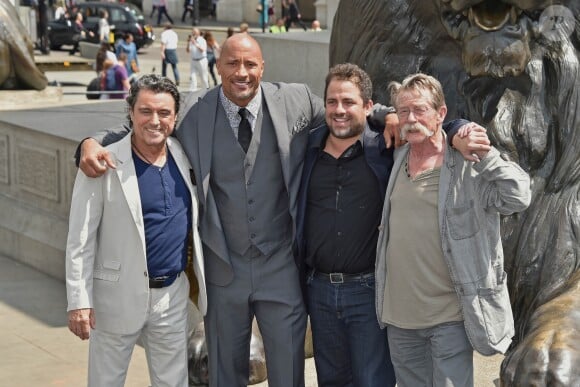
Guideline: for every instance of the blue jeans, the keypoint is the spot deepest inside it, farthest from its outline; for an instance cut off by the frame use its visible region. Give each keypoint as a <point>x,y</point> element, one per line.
<point>171,58</point>
<point>437,356</point>
<point>349,347</point>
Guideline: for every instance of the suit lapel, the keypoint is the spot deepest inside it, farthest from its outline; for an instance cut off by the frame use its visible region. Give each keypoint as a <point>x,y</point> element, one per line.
<point>184,169</point>
<point>277,109</point>
<point>206,112</point>
<point>128,179</point>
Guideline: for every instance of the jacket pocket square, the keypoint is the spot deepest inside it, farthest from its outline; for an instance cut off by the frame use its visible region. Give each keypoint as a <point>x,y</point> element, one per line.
<point>300,124</point>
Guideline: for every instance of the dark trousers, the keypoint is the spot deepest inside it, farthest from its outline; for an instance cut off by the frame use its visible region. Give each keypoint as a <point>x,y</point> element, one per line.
<point>186,10</point>
<point>290,20</point>
<point>171,58</point>
<point>267,288</point>
<point>162,10</point>
<point>350,349</point>
<point>211,61</point>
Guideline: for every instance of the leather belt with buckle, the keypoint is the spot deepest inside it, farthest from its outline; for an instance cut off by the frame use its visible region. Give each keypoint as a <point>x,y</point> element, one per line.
<point>339,278</point>
<point>163,281</point>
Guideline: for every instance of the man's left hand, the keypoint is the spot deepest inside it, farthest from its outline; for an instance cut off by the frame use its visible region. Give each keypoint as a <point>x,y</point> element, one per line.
<point>472,142</point>
<point>392,131</point>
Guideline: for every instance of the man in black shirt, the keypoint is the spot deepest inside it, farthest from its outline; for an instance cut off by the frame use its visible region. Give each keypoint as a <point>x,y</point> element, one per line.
<point>344,179</point>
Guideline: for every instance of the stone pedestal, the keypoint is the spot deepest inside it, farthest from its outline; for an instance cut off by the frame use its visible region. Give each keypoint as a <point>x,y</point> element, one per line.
<point>20,99</point>
<point>325,10</point>
<point>37,173</point>
<point>320,6</point>
<point>231,10</point>
<point>305,58</point>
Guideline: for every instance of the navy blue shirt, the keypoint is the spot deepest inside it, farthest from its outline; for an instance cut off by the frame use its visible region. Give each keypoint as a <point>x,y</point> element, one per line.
<point>166,206</point>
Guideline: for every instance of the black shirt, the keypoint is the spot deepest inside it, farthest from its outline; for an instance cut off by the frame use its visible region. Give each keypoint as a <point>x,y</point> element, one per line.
<point>343,213</point>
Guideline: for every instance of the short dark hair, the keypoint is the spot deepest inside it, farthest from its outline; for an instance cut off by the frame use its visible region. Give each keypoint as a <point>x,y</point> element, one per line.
<point>352,73</point>
<point>155,83</point>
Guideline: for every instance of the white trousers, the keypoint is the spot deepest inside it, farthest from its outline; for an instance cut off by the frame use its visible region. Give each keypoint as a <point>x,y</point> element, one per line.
<point>199,68</point>
<point>164,337</point>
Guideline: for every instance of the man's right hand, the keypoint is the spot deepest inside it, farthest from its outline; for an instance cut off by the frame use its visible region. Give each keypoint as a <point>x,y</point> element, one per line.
<point>94,158</point>
<point>81,321</point>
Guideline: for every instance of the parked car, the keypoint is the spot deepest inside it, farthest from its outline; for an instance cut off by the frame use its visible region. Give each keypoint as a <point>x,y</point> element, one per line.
<point>123,18</point>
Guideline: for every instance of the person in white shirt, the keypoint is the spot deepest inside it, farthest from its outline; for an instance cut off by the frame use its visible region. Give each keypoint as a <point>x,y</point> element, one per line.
<point>197,49</point>
<point>104,28</point>
<point>60,10</point>
<point>169,51</point>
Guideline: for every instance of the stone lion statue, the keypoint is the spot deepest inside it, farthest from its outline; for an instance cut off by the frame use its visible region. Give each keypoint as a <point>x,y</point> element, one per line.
<point>512,66</point>
<point>17,67</point>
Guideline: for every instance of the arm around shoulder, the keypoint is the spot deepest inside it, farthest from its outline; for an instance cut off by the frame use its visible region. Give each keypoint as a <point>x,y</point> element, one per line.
<point>505,185</point>
<point>91,156</point>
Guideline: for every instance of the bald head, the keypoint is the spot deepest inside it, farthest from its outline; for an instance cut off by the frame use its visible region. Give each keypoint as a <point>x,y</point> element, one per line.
<point>241,67</point>
<point>241,41</point>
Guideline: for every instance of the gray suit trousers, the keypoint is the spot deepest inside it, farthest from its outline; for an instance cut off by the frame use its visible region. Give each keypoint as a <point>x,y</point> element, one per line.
<point>268,288</point>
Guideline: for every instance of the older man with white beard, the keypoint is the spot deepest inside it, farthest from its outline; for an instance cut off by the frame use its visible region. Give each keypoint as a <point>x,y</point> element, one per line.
<point>441,285</point>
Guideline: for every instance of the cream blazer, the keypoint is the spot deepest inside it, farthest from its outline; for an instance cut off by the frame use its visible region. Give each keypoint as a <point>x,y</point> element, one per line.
<point>106,263</point>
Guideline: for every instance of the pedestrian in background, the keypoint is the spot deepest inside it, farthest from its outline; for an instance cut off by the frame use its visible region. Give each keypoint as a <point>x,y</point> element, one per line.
<point>162,10</point>
<point>117,79</point>
<point>213,54</point>
<point>154,7</point>
<point>103,54</point>
<point>104,28</point>
<point>169,40</point>
<point>79,33</point>
<point>187,9</point>
<point>197,49</point>
<point>213,10</point>
<point>128,46</point>
<point>294,16</point>
<point>279,27</point>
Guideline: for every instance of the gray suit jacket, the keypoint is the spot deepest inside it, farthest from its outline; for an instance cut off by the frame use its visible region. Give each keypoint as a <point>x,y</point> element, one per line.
<point>294,111</point>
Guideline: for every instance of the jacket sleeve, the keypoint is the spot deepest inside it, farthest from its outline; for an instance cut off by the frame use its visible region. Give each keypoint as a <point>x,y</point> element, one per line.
<point>503,185</point>
<point>452,127</point>
<point>85,217</point>
<point>318,110</point>
<point>104,137</point>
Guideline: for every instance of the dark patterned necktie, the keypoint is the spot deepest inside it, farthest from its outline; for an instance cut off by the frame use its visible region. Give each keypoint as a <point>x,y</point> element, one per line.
<point>244,130</point>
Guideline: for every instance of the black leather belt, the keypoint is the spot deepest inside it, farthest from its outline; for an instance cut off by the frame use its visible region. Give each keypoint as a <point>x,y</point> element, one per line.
<point>339,278</point>
<point>163,281</point>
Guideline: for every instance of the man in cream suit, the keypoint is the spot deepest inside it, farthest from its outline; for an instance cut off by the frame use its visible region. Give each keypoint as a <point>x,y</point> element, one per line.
<point>128,247</point>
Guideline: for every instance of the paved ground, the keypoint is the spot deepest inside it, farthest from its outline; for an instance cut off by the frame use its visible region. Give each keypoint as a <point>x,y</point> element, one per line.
<point>37,349</point>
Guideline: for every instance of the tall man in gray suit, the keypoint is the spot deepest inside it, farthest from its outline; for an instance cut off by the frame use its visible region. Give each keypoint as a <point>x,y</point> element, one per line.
<point>246,141</point>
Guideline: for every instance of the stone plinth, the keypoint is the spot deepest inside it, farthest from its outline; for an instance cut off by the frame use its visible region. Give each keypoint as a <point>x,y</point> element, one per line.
<point>300,57</point>
<point>37,175</point>
<point>18,99</point>
<point>325,10</point>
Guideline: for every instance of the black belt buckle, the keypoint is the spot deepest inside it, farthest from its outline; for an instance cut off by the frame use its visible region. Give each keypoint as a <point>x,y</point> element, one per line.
<point>336,278</point>
<point>163,281</point>
<point>157,282</point>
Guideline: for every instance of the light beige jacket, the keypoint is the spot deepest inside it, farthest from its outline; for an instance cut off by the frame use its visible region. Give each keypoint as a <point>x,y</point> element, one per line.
<point>106,264</point>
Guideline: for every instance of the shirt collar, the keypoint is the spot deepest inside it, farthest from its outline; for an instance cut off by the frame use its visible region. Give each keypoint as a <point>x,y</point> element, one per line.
<point>232,109</point>
<point>355,149</point>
